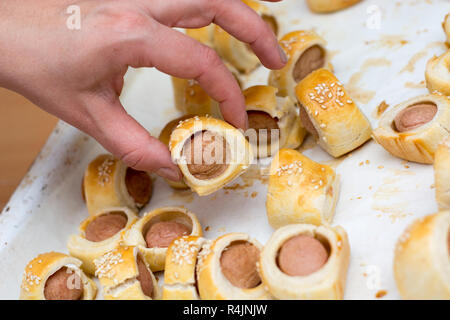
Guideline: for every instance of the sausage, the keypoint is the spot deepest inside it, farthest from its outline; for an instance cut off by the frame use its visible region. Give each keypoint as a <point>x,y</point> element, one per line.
<point>161,234</point>
<point>105,226</point>
<point>306,121</point>
<point>261,120</point>
<point>144,277</point>
<point>415,116</point>
<point>302,255</point>
<point>238,264</point>
<point>139,185</point>
<point>312,59</point>
<point>211,164</point>
<point>63,285</point>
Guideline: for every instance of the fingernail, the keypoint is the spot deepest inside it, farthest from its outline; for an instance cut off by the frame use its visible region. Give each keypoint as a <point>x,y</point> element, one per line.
<point>283,56</point>
<point>169,173</point>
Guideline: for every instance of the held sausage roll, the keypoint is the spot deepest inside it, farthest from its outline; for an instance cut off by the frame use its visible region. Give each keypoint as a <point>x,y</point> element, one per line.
<point>125,275</point>
<point>108,182</point>
<point>330,115</point>
<point>303,261</point>
<point>209,152</point>
<point>154,232</point>
<point>437,74</point>
<point>164,137</point>
<point>306,52</point>
<point>422,259</point>
<point>413,129</point>
<point>274,120</point>
<point>99,234</point>
<point>442,175</point>
<point>300,190</point>
<point>180,281</point>
<point>325,6</point>
<point>228,269</point>
<point>56,276</point>
<point>237,53</point>
<point>203,35</point>
<point>446,27</point>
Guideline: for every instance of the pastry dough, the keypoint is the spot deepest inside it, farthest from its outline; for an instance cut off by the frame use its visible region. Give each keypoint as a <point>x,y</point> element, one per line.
<point>442,175</point>
<point>136,235</point>
<point>275,120</point>
<point>108,182</point>
<point>419,143</point>
<point>238,53</point>
<point>87,251</point>
<point>306,52</point>
<point>180,281</point>
<point>213,284</point>
<point>164,137</point>
<point>330,114</point>
<point>437,74</point>
<point>328,282</point>
<point>446,27</point>
<point>40,269</point>
<point>325,6</point>
<point>300,190</point>
<point>422,259</point>
<point>119,272</point>
<point>209,152</point>
<point>204,35</point>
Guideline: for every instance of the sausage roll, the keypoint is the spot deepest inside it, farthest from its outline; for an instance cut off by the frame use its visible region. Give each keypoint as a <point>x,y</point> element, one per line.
<point>125,275</point>
<point>303,261</point>
<point>325,6</point>
<point>330,115</point>
<point>300,190</point>
<point>306,52</point>
<point>108,182</point>
<point>273,120</point>
<point>99,234</point>
<point>442,175</point>
<point>56,276</point>
<point>228,269</point>
<point>446,27</point>
<point>422,259</point>
<point>180,281</point>
<point>209,152</point>
<point>164,137</point>
<point>154,232</point>
<point>437,74</point>
<point>413,129</point>
<point>237,53</point>
<point>204,35</point>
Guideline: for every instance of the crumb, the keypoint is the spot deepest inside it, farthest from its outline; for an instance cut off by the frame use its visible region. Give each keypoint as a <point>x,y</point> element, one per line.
<point>207,228</point>
<point>380,294</point>
<point>382,108</point>
<point>380,167</point>
<point>254,194</point>
<point>361,163</point>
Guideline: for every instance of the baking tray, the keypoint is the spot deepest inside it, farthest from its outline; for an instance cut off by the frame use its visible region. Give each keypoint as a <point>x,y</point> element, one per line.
<point>379,51</point>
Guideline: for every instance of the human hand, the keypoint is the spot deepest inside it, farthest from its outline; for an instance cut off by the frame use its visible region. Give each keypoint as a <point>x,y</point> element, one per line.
<point>77,75</point>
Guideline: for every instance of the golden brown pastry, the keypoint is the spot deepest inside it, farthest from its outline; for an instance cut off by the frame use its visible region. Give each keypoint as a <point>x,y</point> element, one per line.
<point>56,276</point>
<point>180,281</point>
<point>154,232</point>
<point>446,27</point>
<point>228,269</point>
<point>209,152</point>
<point>306,52</point>
<point>422,259</point>
<point>413,129</point>
<point>125,275</point>
<point>330,115</point>
<point>108,182</point>
<point>275,121</point>
<point>442,175</point>
<point>164,137</point>
<point>437,74</point>
<point>237,53</point>
<point>304,261</point>
<point>204,35</point>
<point>300,190</point>
<point>99,234</point>
<point>325,6</point>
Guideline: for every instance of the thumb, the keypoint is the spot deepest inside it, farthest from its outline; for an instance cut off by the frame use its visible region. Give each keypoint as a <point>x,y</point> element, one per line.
<point>127,140</point>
